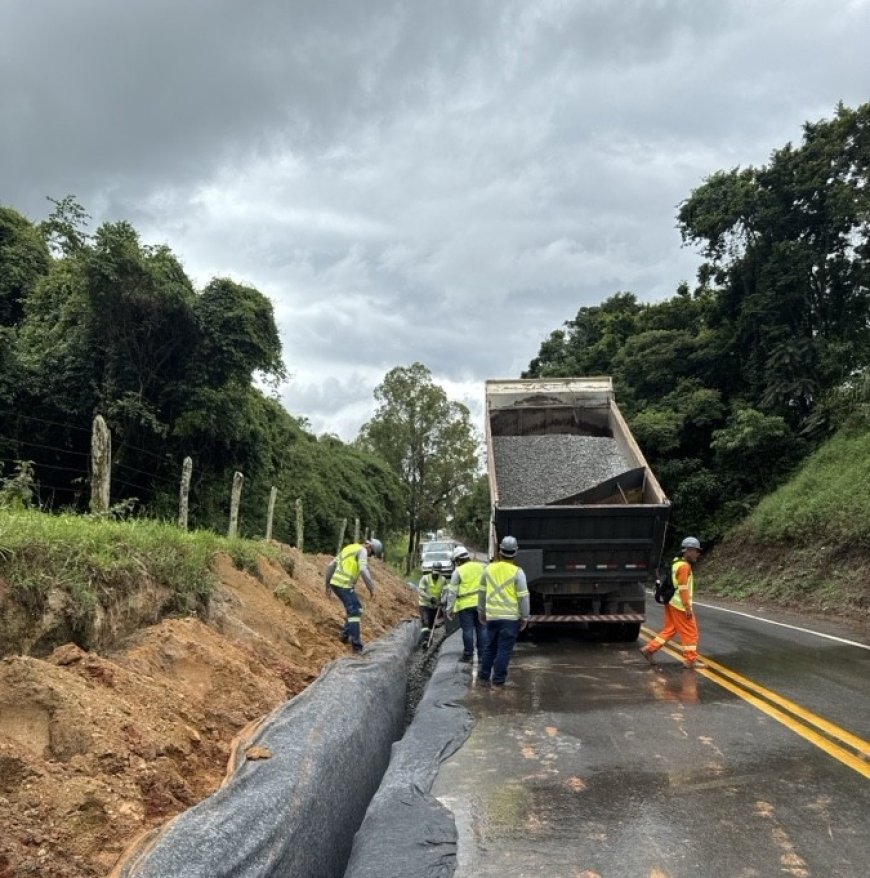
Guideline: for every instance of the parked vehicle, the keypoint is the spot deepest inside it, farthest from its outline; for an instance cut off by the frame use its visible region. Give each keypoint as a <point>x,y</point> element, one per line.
<point>568,480</point>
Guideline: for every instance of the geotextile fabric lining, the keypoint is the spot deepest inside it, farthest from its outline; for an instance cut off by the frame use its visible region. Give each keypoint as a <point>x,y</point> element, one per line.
<point>407,833</point>
<point>295,812</point>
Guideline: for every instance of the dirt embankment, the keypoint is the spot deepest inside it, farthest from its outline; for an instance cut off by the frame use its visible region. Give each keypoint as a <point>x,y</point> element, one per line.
<point>96,748</point>
<point>813,578</point>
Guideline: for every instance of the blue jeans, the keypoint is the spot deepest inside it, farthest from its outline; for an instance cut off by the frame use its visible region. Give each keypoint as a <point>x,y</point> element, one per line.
<point>472,630</point>
<point>501,635</point>
<point>353,611</point>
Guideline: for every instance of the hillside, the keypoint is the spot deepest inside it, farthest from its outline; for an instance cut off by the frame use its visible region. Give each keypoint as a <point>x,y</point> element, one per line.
<point>98,745</point>
<point>806,545</point>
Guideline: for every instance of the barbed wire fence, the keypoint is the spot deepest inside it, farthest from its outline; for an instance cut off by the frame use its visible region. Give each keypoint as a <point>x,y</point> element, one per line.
<point>103,478</point>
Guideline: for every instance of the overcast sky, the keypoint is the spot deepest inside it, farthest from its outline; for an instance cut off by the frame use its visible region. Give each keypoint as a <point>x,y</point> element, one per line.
<point>424,180</point>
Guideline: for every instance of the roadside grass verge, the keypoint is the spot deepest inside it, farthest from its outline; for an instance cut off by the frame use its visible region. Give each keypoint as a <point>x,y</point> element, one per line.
<point>92,559</point>
<point>806,545</point>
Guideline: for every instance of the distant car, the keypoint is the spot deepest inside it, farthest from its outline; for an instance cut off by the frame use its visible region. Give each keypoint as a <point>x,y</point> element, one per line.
<point>439,550</point>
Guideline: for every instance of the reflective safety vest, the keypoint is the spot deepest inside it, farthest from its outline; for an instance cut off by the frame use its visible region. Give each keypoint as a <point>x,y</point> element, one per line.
<point>502,598</point>
<point>676,601</point>
<point>430,588</point>
<point>467,590</point>
<point>347,566</point>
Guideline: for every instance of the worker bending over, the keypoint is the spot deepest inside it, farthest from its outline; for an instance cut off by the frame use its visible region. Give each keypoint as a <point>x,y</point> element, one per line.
<point>341,576</point>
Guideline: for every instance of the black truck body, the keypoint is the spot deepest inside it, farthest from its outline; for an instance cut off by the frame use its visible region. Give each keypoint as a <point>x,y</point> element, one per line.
<point>588,513</point>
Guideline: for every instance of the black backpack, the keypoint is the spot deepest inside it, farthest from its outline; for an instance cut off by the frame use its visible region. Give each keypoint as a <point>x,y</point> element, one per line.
<point>665,588</point>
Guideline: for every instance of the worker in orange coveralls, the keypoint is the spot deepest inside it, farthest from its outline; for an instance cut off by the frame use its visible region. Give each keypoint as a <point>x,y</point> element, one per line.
<point>679,612</point>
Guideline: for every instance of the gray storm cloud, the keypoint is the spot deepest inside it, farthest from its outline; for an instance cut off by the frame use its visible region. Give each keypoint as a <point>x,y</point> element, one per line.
<point>411,180</point>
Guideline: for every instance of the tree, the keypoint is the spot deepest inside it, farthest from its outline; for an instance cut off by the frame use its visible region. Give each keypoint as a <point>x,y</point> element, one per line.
<point>590,341</point>
<point>756,449</point>
<point>789,245</point>
<point>427,440</point>
<point>24,259</point>
<point>64,230</point>
<point>473,510</point>
<point>238,335</point>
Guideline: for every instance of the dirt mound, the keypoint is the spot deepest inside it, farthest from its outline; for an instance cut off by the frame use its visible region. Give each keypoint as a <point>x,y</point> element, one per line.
<point>96,748</point>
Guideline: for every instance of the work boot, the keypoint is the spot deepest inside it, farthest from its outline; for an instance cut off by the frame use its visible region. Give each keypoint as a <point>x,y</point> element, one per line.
<point>466,657</point>
<point>647,655</point>
<point>695,664</point>
<point>344,637</point>
<point>357,648</point>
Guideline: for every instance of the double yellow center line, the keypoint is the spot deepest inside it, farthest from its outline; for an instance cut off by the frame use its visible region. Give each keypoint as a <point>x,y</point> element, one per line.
<point>835,741</point>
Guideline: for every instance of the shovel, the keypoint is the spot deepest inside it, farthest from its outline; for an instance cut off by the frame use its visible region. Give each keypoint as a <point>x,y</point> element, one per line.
<point>434,623</point>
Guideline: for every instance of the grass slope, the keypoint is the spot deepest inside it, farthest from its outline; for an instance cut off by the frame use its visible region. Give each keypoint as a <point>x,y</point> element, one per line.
<point>85,567</point>
<point>807,544</point>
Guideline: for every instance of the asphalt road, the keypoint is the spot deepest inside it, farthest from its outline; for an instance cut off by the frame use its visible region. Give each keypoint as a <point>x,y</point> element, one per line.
<point>594,764</point>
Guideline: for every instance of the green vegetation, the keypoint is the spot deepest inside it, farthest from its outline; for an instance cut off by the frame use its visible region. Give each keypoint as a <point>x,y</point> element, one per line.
<point>730,385</point>
<point>94,561</point>
<point>104,324</point>
<point>429,443</point>
<point>828,500</point>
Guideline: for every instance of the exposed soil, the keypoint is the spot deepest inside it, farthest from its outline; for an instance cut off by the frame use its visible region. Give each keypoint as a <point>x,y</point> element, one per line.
<point>97,748</point>
<point>811,578</point>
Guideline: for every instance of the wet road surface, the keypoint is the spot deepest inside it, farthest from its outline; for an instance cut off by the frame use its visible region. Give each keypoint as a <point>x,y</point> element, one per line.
<point>594,764</point>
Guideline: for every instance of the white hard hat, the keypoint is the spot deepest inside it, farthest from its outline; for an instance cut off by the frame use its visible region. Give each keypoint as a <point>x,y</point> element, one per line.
<point>508,546</point>
<point>460,553</point>
<point>377,547</point>
<point>691,543</point>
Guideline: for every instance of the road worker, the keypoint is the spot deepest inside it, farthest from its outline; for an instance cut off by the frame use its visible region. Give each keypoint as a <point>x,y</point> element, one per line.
<point>679,612</point>
<point>462,596</point>
<point>430,592</point>
<point>341,576</point>
<point>503,606</point>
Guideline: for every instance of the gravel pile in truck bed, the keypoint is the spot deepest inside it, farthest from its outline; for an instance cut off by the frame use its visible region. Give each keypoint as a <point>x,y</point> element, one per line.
<point>537,470</point>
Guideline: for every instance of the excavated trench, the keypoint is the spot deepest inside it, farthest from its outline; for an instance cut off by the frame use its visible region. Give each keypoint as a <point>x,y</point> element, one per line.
<point>336,781</point>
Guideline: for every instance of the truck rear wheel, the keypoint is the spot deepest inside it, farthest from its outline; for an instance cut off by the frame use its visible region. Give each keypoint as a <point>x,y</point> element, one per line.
<point>626,632</point>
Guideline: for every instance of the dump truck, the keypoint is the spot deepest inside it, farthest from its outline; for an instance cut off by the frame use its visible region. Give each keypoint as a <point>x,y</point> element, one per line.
<point>568,480</point>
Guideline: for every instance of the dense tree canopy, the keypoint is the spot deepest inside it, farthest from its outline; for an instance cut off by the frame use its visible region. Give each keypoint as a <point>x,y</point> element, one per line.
<point>728,385</point>
<point>103,324</point>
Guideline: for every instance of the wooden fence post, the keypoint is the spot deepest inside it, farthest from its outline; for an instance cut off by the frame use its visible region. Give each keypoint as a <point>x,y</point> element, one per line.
<point>238,481</point>
<point>101,465</point>
<point>356,530</point>
<point>341,531</point>
<point>184,491</point>
<point>300,528</point>
<point>273,494</point>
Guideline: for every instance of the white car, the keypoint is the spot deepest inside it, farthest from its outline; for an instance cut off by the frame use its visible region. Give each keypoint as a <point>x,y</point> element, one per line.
<point>441,550</point>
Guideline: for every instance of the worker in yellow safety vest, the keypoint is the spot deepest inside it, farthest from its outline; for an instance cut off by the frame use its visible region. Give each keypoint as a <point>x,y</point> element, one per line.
<point>341,576</point>
<point>680,617</point>
<point>462,595</point>
<point>430,592</point>
<point>503,605</point>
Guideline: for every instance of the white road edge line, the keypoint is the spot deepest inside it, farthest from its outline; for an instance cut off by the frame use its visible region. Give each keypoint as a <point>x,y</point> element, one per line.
<point>784,625</point>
